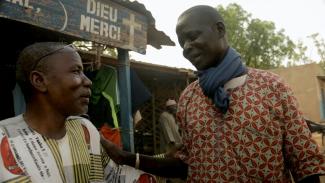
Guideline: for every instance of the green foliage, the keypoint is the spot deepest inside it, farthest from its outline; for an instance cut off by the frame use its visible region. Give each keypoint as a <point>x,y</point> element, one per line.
<point>92,47</point>
<point>299,56</point>
<point>258,41</point>
<point>320,45</point>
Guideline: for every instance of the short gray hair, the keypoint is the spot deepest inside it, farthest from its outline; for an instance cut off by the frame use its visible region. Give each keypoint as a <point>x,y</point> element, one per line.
<point>30,59</point>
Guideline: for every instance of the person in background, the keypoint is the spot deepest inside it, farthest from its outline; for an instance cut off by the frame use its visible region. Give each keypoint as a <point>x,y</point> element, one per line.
<point>169,132</point>
<point>170,138</point>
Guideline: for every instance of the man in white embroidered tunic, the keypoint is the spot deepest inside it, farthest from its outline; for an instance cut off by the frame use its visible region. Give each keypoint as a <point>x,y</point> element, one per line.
<point>47,144</point>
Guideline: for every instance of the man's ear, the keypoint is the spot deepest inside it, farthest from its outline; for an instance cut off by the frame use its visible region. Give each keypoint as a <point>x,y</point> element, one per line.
<point>38,81</point>
<point>220,28</point>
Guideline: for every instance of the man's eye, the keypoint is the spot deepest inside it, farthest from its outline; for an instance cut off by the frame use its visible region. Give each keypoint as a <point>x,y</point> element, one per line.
<point>76,71</point>
<point>193,36</point>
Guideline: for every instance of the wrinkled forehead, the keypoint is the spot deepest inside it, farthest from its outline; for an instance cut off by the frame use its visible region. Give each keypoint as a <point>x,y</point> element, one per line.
<point>66,57</point>
<point>66,49</point>
<point>67,53</point>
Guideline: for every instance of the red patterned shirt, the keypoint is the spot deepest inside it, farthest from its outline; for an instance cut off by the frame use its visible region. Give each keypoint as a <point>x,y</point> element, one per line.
<point>260,139</point>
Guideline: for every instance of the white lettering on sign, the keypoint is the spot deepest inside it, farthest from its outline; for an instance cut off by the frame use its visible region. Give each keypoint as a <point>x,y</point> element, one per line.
<point>102,10</point>
<point>102,19</point>
<point>98,27</point>
<point>94,26</point>
<point>133,25</point>
<point>85,23</point>
<point>23,3</point>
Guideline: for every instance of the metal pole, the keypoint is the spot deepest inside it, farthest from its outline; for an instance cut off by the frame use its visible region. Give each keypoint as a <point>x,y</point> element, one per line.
<point>127,129</point>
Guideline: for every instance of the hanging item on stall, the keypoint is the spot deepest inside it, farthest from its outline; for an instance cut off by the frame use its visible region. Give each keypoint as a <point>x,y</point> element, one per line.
<point>104,81</point>
<point>104,103</point>
<point>112,134</point>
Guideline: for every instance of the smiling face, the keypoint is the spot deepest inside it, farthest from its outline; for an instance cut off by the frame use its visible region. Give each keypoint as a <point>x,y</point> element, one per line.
<point>67,88</point>
<point>202,38</point>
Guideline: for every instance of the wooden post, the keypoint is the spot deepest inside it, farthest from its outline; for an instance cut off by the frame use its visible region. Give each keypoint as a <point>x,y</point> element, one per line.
<point>127,129</point>
<point>99,50</point>
<point>153,99</point>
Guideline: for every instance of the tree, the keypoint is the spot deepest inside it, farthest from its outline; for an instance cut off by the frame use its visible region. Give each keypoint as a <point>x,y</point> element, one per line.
<point>92,47</point>
<point>320,45</point>
<point>98,50</point>
<point>258,41</point>
<point>299,56</point>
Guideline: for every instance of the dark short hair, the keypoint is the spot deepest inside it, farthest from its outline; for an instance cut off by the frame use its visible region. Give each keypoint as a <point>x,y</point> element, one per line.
<point>32,58</point>
<point>209,13</point>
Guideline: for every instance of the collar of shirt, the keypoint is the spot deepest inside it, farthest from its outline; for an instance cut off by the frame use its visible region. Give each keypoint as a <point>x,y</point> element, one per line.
<point>235,82</point>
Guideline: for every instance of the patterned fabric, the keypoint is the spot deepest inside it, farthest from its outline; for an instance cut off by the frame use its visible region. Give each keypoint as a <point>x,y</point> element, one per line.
<point>20,179</point>
<point>87,167</point>
<point>260,139</point>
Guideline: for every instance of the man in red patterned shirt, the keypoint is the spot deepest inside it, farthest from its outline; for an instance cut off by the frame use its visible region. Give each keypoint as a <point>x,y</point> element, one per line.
<point>238,124</point>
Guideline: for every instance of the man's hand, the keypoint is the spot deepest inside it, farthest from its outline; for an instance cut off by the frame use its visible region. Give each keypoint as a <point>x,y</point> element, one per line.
<point>171,152</point>
<point>164,167</point>
<point>113,151</point>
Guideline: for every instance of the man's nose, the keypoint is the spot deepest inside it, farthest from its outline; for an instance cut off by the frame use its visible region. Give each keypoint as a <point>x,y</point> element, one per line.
<point>87,81</point>
<point>187,47</point>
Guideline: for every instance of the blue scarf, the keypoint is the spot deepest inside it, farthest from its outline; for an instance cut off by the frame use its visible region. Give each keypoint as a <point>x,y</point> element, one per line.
<point>212,80</point>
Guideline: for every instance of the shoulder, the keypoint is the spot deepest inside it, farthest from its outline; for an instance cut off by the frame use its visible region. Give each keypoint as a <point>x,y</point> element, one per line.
<point>80,119</point>
<point>165,115</point>
<point>91,133</point>
<point>192,86</point>
<point>12,121</point>
<point>189,91</point>
<point>263,77</point>
<point>85,123</point>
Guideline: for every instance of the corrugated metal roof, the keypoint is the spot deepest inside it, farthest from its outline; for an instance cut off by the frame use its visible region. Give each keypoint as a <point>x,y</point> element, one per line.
<point>155,37</point>
<point>86,55</point>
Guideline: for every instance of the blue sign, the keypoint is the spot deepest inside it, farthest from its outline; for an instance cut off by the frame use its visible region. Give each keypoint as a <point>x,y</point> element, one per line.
<point>101,21</point>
